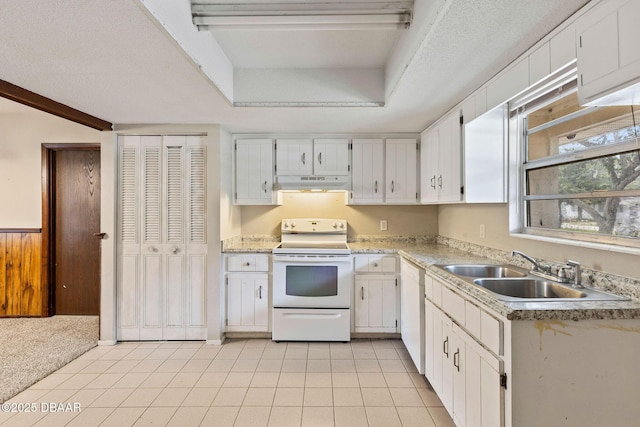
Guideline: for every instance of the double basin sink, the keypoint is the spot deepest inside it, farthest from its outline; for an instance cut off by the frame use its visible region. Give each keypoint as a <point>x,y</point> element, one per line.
<point>510,283</point>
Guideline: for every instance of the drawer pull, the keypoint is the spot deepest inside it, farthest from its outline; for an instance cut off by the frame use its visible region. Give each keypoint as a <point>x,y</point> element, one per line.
<point>260,292</point>
<point>456,359</point>
<point>445,347</point>
<point>362,293</point>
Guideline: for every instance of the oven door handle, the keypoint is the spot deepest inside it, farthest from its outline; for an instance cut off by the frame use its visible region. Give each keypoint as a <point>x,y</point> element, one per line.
<point>311,259</point>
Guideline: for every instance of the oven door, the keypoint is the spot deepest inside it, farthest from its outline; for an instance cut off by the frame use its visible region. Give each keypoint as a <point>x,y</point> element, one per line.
<point>313,281</point>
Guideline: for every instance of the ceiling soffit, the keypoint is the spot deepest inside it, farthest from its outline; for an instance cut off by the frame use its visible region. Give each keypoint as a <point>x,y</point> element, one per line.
<point>313,53</point>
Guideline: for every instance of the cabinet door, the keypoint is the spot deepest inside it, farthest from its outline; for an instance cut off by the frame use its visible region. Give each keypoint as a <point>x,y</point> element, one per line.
<point>367,171</point>
<point>247,302</point>
<point>331,157</point>
<point>294,157</point>
<point>401,171</point>
<point>450,159</point>
<point>254,171</point>
<point>608,58</point>
<point>459,362</point>
<point>429,165</point>
<point>375,302</point>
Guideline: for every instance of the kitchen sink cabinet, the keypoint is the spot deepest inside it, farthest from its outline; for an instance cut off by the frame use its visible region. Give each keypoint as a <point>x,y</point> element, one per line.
<point>465,375</point>
<point>254,172</point>
<point>492,371</point>
<point>247,281</point>
<point>608,57</point>
<point>367,171</point>
<point>376,293</point>
<point>401,171</point>
<point>441,161</point>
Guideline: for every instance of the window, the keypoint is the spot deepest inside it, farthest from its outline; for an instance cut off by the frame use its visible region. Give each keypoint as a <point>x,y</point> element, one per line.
<point>580,169</point>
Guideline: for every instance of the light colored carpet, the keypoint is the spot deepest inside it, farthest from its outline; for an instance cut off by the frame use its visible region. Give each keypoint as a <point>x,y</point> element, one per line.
<point>32,348</point>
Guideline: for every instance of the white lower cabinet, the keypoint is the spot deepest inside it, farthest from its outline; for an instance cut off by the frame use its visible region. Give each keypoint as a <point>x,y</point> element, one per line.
<point>376,300</point>
<point>463,373</point>
<point>247,281</point>
<point>247,302</point>
<point>375,303</point>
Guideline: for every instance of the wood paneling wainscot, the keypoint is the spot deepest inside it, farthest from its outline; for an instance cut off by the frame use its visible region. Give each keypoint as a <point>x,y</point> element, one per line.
<point>21,291</point>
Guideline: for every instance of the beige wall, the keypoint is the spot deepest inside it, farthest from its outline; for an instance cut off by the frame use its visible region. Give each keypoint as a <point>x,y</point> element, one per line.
<point>21,138</point>
<point>362,220</point>
<point>462,222</point>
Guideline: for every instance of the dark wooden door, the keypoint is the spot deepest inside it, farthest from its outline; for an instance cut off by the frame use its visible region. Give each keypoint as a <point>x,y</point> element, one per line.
<point>77,218</point>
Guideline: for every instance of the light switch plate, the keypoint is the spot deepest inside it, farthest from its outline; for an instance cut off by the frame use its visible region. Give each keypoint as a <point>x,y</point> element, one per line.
<point>383,225</point>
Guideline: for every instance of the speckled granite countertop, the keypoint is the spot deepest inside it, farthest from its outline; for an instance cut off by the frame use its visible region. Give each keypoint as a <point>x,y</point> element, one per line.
<point>425,253</point>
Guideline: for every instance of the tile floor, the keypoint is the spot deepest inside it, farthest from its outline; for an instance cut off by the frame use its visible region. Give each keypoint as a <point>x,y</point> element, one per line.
<point>252,382</point>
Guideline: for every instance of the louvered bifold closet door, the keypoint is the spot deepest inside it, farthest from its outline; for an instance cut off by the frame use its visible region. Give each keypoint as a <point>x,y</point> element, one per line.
<point>152,251</point>
<point>162,251</point>
<point>196,238</point>
<point>128,261</point>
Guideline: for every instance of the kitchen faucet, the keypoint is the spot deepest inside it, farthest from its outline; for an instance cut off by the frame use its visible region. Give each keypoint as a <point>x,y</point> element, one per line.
<point>578,273</point>
<point>536,266</point>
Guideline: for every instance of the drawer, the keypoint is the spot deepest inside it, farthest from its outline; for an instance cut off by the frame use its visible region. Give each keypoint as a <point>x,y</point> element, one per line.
<point>248,262</point>
<point>375,264</point>
<point>491,332</point>
<point>472,319</point>
<point>454,305</point>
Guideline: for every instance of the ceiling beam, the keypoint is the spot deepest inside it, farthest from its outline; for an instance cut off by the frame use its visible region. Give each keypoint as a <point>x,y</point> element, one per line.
<point>32,99</point>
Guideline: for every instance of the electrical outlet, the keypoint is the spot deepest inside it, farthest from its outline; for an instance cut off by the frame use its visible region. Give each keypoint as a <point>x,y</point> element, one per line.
<point>482,231</point>
<point>383,225</point>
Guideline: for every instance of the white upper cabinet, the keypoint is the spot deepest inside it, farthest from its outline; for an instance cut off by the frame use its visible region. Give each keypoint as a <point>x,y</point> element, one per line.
<point>485,158</point>
<point>331,156</point>
<point>608,56</point>
<point>367,171</point>
<point>254,172</point>
<point>401,171</point>
<point>294,157</point>
<point>441,161</point>
<point>312,157</point>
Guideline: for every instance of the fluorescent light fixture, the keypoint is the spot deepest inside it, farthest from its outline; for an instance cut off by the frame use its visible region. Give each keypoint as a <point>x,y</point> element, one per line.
<point>354,15</point>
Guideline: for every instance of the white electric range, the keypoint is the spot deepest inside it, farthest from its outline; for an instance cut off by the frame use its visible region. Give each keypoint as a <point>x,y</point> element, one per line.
<point>312,281</point>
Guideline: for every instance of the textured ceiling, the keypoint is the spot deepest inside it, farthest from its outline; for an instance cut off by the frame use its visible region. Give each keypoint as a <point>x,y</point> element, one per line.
<point>109,59</point>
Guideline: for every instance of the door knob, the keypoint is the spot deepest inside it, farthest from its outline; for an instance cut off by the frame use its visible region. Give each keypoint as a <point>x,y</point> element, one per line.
<point>100,235</point>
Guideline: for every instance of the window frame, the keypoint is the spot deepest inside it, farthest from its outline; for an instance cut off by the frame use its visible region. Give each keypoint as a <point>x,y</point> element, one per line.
<point>556,86</point>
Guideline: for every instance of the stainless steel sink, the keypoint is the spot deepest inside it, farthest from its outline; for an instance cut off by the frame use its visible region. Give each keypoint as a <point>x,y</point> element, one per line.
<point>529,288</point>
<point>483,270</point>
<point>514,284</point>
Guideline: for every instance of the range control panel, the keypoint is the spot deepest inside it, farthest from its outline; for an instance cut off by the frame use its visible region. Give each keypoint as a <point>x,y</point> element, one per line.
<point>314,225</point>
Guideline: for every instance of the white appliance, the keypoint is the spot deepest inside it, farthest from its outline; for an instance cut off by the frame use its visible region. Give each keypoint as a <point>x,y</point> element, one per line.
<point>312,280</point>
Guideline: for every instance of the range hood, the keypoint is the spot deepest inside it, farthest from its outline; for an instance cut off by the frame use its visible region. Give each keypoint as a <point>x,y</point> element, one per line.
<point>312,182</point>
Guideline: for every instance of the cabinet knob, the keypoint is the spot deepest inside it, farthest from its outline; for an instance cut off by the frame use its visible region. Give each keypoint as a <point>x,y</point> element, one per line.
<point>153,249</point>
<point>375,264</point>
<point>175,249</point>
<point>247,263</point>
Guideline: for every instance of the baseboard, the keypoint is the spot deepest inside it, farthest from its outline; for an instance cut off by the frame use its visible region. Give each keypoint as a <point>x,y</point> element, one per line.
<point>107,342</point>
<point>215,342</point>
